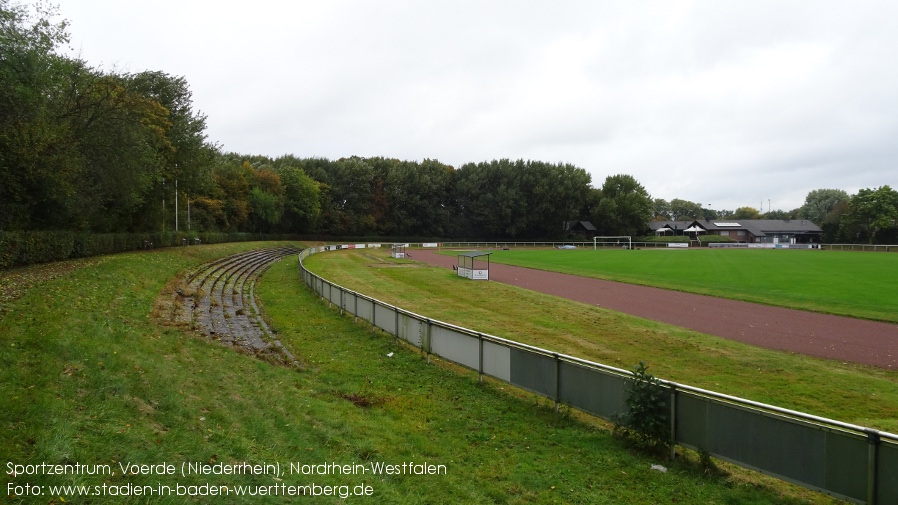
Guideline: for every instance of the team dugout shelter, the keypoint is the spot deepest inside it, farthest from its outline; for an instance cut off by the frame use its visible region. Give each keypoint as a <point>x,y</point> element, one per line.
<point>474,265</point>
<point>398,251</point>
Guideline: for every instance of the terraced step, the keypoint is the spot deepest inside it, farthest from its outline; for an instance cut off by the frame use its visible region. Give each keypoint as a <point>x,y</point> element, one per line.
<point>217,300</point>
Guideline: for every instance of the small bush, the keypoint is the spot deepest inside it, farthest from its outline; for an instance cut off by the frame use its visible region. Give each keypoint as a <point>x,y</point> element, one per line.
<point>646,423</point>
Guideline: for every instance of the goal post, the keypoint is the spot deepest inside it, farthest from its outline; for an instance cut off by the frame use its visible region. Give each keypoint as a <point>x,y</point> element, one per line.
<point>612,241</point>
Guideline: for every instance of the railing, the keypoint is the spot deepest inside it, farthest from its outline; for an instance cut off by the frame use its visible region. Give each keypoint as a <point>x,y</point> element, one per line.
<point>647,245</point>
<point>844,460</point>
<point>861,247</point>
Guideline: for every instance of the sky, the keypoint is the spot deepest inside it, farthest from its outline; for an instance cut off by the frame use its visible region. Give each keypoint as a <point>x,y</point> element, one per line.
<point>724,103</point>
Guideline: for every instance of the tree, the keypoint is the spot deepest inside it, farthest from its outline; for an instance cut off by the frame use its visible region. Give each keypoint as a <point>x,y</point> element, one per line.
<point>489,199</point>
<point>825,207</point>
<point>419,198</point>
<point>820,202</point>
<point>119,136</point>
<point>777,214</point>
<point>625,207</point>
<point>662,210</point>
<point>36,172</point>
<point>555,194</point>
<point>746,213</point>
<point>232,188</point>
<point>266,207</point>
<point>870,213</point>
<point>188,158</point>
<point>684,210</point>
<point>301,200</point>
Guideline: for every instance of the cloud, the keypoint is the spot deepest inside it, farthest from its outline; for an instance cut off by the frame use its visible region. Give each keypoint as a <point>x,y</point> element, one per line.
<point>725,103</point>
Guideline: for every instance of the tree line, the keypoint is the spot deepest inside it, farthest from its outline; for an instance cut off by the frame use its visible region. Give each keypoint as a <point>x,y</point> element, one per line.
<point>101,151</point>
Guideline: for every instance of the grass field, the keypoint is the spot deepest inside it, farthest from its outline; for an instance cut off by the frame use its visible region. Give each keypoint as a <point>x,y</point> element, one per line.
<point>855,284</point>
<point>851,393</point>
<point>88,376</point>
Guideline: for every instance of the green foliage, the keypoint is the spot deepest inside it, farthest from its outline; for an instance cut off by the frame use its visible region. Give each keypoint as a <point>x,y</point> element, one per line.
<point>683,210</point>
<point>19,248</point>
<point>520,199</point>
<point>85,149</point>
<point>662,238</point>
<point>819,203</point>
<point>266,207</point>
<point>646,423</point>
<point>624,207</point>
<point>302,205</point>
<point>747,213</point>
<point>871,213</point>
<point>712,238</point>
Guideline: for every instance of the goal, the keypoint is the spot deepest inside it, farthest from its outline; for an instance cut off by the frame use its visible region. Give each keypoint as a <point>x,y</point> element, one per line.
<point>624,241</point>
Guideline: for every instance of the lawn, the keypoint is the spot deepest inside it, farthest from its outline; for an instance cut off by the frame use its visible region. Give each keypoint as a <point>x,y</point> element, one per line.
<point>89,377</point>
<point>855,284</point>
<point>851,393</point>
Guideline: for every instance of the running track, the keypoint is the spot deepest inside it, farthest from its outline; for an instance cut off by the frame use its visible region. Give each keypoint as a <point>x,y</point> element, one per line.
<point>819,335</point>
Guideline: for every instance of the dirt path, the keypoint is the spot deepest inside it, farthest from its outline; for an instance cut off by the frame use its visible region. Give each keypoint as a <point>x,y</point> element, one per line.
<point>819,335</point>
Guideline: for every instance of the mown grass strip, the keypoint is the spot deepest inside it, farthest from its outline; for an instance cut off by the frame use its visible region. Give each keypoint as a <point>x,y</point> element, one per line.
<point>851,393</point>
<point>846,283</point>
<point>89,377</point>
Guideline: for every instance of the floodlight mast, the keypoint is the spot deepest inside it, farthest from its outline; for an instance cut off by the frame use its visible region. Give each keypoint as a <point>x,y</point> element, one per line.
<point>595,241</point>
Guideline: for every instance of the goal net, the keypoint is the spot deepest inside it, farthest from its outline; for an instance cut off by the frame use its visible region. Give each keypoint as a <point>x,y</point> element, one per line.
<point>621,241</point>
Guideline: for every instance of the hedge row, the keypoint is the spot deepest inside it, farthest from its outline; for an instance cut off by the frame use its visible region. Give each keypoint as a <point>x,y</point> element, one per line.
<point>20,248</point>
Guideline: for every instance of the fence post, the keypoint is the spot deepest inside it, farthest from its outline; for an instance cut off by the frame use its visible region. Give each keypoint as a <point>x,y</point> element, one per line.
<point>872,450</point>
<point>428,333</point>
<point>480,357</point>
<point>557,379</point>
<point>673,421</point>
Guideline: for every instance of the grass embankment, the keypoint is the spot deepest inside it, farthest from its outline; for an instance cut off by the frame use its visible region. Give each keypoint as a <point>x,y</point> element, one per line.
<point>846,283</point>
<point>851,393</point>
<point>88,377</point>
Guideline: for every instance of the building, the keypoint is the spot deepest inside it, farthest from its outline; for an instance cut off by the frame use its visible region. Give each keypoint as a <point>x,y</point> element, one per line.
<point>582,228</point>
<point>750,231</point>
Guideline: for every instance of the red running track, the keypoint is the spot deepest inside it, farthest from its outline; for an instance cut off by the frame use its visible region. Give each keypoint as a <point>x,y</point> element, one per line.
<point>820,335</point>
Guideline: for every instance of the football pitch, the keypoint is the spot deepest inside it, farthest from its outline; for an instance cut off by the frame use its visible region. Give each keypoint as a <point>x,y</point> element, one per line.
<point>856,284</point>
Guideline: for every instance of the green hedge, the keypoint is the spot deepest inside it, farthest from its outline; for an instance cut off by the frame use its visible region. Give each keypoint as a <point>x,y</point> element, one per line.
<point>20,248</point>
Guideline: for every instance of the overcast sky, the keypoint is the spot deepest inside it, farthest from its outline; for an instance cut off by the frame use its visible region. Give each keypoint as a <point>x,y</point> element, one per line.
<point>730,104</point>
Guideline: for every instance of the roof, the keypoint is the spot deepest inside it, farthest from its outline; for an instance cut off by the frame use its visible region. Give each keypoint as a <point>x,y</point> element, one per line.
<point>757,227</point>
<point>474,254</point>
<point>588,226</point>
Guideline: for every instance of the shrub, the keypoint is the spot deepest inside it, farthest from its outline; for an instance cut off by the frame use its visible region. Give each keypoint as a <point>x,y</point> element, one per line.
<point>646,422</point>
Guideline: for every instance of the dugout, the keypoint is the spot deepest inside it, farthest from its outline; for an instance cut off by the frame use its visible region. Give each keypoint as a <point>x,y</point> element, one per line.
<point>398,251</point>
<point>474,265</point>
